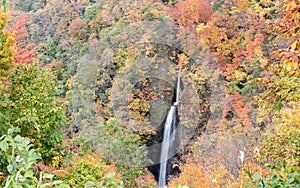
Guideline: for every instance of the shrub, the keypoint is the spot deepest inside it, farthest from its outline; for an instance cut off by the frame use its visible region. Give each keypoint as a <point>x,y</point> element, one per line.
<point>18,163</point>
<point>282,176</point>
<point>91,170</point>
<point>17,159</point>
<point>281,146</point>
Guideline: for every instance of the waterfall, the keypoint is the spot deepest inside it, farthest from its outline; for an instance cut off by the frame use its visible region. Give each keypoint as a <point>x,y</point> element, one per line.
<point>168,139</point>
<point>177,89</point>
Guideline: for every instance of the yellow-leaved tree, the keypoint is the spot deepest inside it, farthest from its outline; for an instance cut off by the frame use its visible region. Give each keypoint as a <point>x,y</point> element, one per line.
<point>6,47</point>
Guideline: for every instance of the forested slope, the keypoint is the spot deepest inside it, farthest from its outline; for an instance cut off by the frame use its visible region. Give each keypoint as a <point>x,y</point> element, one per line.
<point>86,86</point>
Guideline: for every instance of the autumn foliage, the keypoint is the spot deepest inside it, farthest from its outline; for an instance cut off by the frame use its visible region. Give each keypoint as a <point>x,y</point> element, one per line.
<point>25,52</point>
<point>253,46</point>
<point>83,169</point>
<point>206,173</point>
<point>78,29</point>
<point>6,49</point>
<point>191,12</point>
<point>288,27</point>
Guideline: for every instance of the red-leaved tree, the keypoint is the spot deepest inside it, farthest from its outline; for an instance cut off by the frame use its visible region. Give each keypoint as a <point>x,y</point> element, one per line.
<point>25,52</point>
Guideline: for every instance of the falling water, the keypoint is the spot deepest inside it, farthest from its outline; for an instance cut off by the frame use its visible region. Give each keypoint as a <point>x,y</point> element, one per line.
<point>169,136</point>
<point>168,139</point>
<point>177,89</point>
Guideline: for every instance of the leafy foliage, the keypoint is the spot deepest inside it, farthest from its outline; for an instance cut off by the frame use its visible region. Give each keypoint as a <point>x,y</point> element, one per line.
<point>29,103</point>
<point>283,84</point>
<point>6,48</point>
<point>91,171</point>
<point>283,144</point>
<point>280,98</point>
<point>200,175</point>
<point>24,52</point>
<point>20,158</point>
<point>290,56</point>
<point>238,36</point>
<point>281,177</point>
<point>191,12</point>
<point>243,38</point>
<point>122,147</point>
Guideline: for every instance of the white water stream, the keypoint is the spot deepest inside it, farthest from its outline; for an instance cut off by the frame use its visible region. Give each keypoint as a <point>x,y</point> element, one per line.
<point>168,139</point>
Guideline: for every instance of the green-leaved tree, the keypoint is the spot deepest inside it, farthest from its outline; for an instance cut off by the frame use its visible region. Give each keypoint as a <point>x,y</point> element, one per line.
<point>29,102</point>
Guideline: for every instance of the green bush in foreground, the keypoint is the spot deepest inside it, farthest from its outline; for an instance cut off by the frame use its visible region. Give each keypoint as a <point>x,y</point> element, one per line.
<point>18,163</point>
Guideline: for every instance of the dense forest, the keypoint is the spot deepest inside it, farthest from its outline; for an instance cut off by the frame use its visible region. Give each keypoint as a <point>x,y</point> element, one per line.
<point>86,87</point>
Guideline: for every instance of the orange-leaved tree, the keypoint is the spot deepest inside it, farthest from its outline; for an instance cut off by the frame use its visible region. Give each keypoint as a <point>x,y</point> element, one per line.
<point>190,13</point>
<point>25,52</point>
